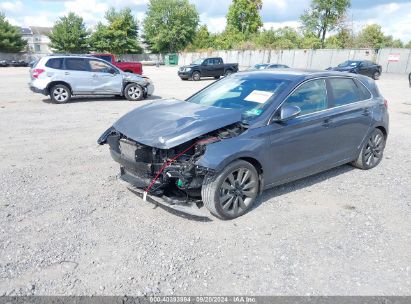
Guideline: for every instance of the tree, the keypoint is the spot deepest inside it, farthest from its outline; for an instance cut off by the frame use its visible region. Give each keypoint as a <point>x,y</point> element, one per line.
<point>244,16</point>
<point>69,35</point>
<point>10,36</point>
<point>202,39</point>
<point>282,38</point>
<point>343,39</point>
<point>324,16</point>
<point>408,45</point>
<point>371,36</point>
<point>119,36</point>
<point>310,41</point>
<point>170,25</point>
<point>229,39</point>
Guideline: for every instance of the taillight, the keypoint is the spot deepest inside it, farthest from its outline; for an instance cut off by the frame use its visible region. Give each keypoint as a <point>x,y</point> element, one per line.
<point>36,72</point>
<point>386,103</point>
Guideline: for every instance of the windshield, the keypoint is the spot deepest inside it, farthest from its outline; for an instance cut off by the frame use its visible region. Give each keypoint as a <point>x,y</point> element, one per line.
<point>249,93</point>
<point>198,61</point>
<point>349,63</point>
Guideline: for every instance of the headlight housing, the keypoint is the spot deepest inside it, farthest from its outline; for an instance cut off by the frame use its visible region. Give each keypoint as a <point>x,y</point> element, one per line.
<point>187,69</point>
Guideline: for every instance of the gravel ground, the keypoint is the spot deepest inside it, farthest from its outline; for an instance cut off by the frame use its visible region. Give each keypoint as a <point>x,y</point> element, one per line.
<point>68,227</point>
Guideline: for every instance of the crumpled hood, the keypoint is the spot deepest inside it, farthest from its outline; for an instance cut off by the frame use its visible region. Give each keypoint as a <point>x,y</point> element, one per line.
<point>165,124</point>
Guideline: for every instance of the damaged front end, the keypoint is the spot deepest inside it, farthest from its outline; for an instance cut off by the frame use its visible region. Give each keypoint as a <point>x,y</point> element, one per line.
<point>171,176</point>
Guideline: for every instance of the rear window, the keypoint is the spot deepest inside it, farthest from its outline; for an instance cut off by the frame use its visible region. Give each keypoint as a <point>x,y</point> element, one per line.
<point>344,91</point>
<point>77,64</point>
<point>55,63</point>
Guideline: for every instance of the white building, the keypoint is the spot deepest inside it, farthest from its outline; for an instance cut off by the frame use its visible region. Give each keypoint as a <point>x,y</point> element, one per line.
<point>37,39</point>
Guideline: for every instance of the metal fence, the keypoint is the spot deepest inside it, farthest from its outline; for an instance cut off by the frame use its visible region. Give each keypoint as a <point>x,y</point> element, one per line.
<point>391,60</point>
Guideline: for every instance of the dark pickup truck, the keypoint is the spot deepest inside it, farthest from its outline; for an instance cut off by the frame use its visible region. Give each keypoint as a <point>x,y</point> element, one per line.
<point>207,67</point>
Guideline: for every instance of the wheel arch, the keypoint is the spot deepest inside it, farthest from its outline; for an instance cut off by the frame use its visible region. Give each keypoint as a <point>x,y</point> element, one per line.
<point>53,83</point>
<point>383,130</point>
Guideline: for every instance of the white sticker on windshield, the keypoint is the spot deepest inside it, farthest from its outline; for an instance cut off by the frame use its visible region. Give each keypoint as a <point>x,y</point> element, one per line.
<point>259,96</point>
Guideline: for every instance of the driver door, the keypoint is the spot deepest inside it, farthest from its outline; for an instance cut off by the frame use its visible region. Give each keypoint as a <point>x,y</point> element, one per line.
<point>302,145</point>
<point>208,68</point>
<point>105,79</point>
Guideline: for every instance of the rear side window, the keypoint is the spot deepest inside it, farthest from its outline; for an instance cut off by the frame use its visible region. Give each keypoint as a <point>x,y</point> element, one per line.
<point>310,97</point>
<point>105,58</point>
<point>344,91</point>
<point>55,63</point>
<point>364,92</point>
<point>218,61</point>
<point>76,64</point>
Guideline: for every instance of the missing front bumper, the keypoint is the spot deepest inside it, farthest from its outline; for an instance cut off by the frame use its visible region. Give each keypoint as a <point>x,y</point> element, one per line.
<point>133,183</point>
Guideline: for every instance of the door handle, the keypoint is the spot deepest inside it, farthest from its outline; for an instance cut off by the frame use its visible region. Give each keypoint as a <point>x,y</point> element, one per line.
<point>94,75</point>
<point>366,112</point>
<point>326,123</point>
<point>67,73</point>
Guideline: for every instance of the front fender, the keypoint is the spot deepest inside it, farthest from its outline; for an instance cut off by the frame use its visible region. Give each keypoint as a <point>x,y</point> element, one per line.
<point>219,154</point>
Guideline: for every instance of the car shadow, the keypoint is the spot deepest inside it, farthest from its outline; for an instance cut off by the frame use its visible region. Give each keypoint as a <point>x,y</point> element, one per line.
<point>300,184</point>
<point>101,98</point>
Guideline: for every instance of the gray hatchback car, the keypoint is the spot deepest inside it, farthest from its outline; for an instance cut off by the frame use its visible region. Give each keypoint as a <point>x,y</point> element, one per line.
<point>224,145</point>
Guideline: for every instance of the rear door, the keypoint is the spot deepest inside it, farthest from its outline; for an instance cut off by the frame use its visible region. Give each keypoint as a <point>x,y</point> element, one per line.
<point>77,74</point>
<point>105,79</point>
<point>350,115</point>
<point>218,67</point>
<point>365,68</point>
<point>302,145</point>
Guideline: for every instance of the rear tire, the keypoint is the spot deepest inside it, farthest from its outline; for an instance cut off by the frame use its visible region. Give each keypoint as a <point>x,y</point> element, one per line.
<point>232,192</point>
<point>134,92</point>
<point>216,77</point>
<point>60,93</point>
<point>228,72</point>
<point>196,76</point>
<point>372,151</point>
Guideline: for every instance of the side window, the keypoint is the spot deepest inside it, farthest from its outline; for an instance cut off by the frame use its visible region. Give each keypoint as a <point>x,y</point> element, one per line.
<point>218,61</point>
<point>99,66</point>
<point>76,64</point>
<point>344,91</point>
<point>310,97</point>
<point>364,92</point>
<point>55,63</point>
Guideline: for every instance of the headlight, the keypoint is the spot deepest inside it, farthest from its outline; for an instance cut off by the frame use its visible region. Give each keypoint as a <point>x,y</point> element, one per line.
<point>188,69</point>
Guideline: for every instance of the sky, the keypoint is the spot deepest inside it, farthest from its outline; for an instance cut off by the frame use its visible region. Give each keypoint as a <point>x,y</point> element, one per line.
<point>393,15</point>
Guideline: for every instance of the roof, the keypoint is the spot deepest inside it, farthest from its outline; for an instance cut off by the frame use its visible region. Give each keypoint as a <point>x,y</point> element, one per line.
<point>292,74</point>
<point>36,30</point>
<point>26,31</point>
<point>41,30</point>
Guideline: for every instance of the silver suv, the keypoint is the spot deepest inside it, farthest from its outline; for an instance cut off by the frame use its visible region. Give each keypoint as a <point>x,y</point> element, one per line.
<point>64,76</point>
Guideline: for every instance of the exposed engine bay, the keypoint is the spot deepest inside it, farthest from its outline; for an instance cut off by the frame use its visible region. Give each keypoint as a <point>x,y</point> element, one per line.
<point>170,173</point>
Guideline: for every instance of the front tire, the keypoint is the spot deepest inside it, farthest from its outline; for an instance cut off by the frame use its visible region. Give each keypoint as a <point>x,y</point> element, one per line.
<point>372,151</point>
<point>134,92</point>
<point>60,94</point>
<point>376,75</point>
<point>232,192</point>
<point>196,76</point>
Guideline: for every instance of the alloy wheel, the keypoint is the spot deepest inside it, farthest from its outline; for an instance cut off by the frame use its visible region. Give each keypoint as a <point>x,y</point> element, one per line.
<point>237,191</point>
<point>374,149</point>
<point>60,94</point>
<point>134,92</point>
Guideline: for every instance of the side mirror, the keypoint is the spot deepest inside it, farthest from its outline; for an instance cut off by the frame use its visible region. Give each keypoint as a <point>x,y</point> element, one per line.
<point>288,112</point>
